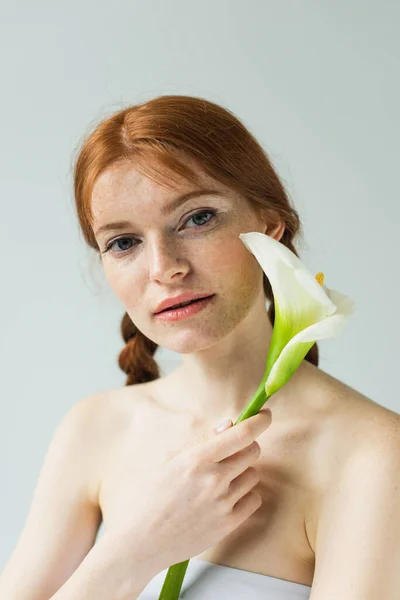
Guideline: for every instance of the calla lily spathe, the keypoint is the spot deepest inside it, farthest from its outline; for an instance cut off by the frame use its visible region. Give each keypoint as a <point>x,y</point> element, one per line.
<point>305,309</point>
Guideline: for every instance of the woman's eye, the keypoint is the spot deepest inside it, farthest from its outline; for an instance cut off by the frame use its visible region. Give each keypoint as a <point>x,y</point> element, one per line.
<point>118,241</point>
<point>125,250</point>
<point>203,212</point>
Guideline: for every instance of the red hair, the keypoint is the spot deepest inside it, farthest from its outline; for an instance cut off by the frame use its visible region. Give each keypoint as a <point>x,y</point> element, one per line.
<point>149,135</point>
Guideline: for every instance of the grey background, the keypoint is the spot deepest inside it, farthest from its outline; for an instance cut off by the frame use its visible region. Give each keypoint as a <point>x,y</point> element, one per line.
<point>316,82</point>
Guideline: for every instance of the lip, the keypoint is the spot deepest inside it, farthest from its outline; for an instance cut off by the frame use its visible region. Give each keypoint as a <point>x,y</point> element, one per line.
<point>185,312</point>
<point>185,297</point>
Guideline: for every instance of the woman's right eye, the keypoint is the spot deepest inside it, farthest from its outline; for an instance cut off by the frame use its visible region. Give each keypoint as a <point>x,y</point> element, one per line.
<point>118,241</point>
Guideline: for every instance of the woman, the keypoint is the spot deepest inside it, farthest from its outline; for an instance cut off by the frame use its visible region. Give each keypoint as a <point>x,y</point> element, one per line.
<point>163,191</point>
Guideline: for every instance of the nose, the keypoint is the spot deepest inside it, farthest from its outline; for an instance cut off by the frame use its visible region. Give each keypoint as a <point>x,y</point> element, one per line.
<point>165,260</point>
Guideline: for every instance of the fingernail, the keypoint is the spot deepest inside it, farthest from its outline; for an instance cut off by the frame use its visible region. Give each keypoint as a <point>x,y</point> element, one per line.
<point>224,425</point>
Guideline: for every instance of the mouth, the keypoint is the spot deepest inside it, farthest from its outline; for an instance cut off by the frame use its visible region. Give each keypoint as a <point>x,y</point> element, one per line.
<point>182,304</point>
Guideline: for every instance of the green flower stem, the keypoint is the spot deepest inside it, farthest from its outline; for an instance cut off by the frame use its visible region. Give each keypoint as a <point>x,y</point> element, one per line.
<point>256,403</point>
<point>173,581</point>
<point>176,574</point>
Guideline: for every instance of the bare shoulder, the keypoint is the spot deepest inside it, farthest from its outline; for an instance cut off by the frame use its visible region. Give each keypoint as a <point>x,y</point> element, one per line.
<point>352,421</point>
<point>109,411</point>
<point>108,418</point>
<point>348,426</point>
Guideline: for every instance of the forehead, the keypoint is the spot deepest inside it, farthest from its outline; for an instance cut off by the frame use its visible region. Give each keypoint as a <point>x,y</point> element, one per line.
<point>124,185</point>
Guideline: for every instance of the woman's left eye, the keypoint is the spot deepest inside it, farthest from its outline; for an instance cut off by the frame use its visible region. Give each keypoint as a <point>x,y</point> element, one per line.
<point>213,214</point>
<point>203,212</point>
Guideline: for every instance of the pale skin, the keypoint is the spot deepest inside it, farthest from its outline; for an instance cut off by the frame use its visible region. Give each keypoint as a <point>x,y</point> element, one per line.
<point>329,463</point>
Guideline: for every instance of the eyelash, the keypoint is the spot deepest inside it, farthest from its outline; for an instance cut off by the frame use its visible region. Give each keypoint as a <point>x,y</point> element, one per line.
<point>124,252</point>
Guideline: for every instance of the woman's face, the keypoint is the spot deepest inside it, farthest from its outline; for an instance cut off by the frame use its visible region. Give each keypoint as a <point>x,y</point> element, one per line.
<point>163,250</point>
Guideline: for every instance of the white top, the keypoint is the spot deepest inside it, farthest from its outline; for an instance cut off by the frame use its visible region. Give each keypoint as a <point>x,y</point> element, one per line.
<point>208,581</point>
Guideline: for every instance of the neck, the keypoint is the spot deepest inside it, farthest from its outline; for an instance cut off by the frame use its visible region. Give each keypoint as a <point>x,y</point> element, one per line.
<point>219,381</point>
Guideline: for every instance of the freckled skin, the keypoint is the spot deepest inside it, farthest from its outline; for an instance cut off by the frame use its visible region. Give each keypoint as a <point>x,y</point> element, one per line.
<point>172,255</point>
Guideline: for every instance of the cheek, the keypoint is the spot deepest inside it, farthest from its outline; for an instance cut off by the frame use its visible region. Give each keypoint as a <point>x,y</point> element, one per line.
<point>120,281</point>
<point>235,264</point>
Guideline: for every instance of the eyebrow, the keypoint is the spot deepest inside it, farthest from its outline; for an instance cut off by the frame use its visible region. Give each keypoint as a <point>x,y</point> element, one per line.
<point>166,210</point>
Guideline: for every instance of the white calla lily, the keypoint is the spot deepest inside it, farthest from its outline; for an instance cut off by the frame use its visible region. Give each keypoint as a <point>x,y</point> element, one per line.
<point>305,311</point>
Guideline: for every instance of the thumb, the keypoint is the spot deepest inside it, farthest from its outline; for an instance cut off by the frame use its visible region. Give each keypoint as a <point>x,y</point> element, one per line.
<point>222,426</point>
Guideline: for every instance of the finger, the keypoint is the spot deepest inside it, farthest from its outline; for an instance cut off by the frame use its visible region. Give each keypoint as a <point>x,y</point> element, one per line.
<point>239,436</point>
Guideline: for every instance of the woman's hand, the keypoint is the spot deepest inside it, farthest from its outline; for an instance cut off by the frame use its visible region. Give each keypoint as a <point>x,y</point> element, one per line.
<point>198,495</point>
